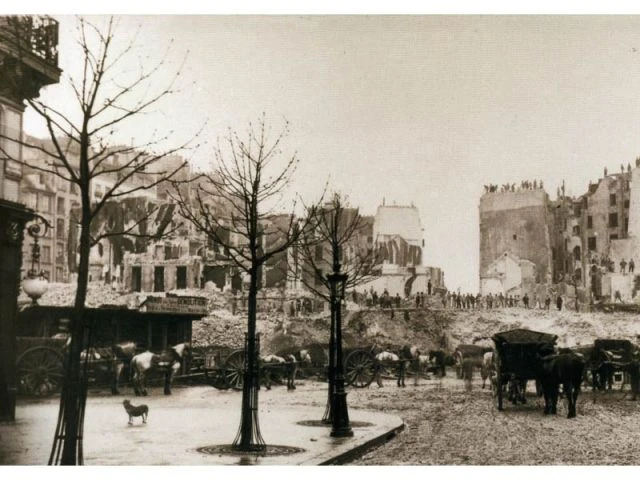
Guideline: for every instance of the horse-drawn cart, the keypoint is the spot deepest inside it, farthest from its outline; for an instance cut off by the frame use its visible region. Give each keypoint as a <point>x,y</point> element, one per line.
<point>518,359</point>
<point>39,365</point>
<point>221,367</point>
<point>609,362</point>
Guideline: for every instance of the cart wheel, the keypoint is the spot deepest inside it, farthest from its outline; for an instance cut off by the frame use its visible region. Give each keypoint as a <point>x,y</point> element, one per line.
<point>234,370</point>
<point>40,371</point>
<point>359,369</point>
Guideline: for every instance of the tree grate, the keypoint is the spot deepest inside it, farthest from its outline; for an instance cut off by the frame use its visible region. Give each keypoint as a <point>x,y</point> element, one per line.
<point>322,423</point>
<point>268,451</point>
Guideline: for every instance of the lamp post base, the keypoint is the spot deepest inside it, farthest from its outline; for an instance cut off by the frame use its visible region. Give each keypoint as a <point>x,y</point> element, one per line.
<point>340,426</point>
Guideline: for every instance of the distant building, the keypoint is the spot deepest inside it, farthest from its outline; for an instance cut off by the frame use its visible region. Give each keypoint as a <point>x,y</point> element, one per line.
<point>398,237</point>
<point>575,243</point>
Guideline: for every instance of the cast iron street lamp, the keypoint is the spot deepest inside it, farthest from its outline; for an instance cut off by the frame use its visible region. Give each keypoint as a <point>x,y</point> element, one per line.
<point>36,284</point>
<point>340,421</point>
<point>331,373</point>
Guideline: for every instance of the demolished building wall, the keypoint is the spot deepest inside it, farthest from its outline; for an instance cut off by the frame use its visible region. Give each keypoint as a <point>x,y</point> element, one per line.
<point>517,222</point>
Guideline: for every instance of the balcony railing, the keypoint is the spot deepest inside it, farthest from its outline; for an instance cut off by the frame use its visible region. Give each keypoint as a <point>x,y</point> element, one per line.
<point>37,34</point>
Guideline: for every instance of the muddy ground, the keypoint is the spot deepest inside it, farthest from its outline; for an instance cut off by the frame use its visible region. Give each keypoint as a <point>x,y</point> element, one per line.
<point>446,425</point>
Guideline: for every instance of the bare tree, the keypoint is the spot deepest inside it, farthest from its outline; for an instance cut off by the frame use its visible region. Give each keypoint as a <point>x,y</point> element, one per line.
<point>235,206</point>
<point>82,149</point>
<point>339,231</point>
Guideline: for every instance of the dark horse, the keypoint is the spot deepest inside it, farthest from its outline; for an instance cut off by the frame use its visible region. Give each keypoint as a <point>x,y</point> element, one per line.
<point>566,369</point>
<point>123,353</point>
<point>439,359</point>
<point>167,362</point>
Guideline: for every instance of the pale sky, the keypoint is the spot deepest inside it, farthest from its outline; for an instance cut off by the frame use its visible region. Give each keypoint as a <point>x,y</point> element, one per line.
<point>412,109</point>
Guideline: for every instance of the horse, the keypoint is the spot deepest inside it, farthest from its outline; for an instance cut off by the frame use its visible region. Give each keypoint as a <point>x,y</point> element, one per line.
<point>167,362</point>
<point>294,358</point>
<point>440,359</point>
<point>386,359</point>
<point>566,369</point>
<point>471,352</point>
<point>123,353</point>
<point>269,364</point>
<point>110,360</point>
<point>488,369</point>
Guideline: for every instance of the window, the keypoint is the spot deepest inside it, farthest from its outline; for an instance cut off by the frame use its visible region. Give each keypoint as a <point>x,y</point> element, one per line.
<point>11,126</point>
<point>60,228</point>
<point>515,237</point>
<point>613,236</point>
<point>136,279</point>
<point>61,184</point>
<point>589,221</point>
<point>46,254</point>
<point>591,243</point>
<point>59,274</point>
<point>576,229</point>
<point>44,203</point>
<point>612,199</point>
<point>158,279</point>
<point>59,253</point>
<point>31,200</point>
<point>626,203</point>
<point>181,277</point>
<point>60,206</point>
<point>613,220</point>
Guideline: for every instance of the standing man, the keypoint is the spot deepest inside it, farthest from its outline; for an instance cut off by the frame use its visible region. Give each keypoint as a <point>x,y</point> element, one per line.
<point>429,287</point>
<point>623,265</point>
<point>632,265</point>
<point>559,302</point>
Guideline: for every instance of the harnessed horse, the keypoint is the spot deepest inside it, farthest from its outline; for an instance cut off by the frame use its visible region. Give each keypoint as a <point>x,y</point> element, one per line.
<point>167,362</point>
<point>406,356</point>
<point>110,359</point>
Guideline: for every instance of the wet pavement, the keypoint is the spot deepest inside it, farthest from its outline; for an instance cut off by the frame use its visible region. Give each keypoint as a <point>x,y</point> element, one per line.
<point>190,426</point>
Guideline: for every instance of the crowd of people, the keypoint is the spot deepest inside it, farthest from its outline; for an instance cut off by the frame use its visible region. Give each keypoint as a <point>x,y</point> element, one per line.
<point>453,300</point>
<point>606,262</point>
<point>512,187</point>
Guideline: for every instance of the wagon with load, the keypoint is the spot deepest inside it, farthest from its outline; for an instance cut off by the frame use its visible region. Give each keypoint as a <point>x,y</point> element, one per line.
<point>610,361</point>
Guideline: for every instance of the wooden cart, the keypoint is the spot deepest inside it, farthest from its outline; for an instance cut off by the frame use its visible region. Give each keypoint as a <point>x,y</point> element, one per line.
<point>518,357</point>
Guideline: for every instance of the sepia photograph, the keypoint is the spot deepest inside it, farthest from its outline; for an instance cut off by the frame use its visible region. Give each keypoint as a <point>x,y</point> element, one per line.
<point>309,239</point>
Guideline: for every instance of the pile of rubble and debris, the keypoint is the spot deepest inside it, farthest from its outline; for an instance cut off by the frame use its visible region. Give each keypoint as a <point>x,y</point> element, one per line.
<point>226,323</point>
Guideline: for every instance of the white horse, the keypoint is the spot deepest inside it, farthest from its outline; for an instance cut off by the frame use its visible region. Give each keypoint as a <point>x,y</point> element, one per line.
<point>167,362</point>
<point>385,360</point>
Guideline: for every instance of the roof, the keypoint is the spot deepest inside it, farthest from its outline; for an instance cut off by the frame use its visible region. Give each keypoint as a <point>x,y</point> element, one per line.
<point>398,220</point>
<point>523,335</point>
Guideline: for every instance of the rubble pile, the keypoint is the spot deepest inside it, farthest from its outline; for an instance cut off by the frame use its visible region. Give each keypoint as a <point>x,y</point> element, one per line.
<point>64,294</point>
<point>429,328</point>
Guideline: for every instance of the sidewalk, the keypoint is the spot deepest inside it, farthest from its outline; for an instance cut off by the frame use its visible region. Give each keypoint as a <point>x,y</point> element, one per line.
<point>192,418</point>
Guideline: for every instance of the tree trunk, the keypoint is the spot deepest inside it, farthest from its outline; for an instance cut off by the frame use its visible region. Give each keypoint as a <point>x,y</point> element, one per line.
<point>74,397</point>
<point>250,437</point>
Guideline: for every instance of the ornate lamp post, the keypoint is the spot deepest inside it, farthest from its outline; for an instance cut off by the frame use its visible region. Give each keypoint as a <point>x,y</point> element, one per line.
<point>340,421</point>
<point>331,373</point>
<point>36,284</point>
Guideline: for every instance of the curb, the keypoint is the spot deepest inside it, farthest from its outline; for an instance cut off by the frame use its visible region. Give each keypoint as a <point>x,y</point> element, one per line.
<point>363,448</point>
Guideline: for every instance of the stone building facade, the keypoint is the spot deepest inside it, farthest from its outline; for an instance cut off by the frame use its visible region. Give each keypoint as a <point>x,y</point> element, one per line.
<point>575,243</point>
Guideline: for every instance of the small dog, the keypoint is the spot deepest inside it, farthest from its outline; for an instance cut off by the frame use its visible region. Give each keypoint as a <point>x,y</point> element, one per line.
<point>136,411</point>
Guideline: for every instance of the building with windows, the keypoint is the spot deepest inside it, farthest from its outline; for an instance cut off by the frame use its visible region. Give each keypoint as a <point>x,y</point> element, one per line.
<point>28,62</point>
<point>575,244</point>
